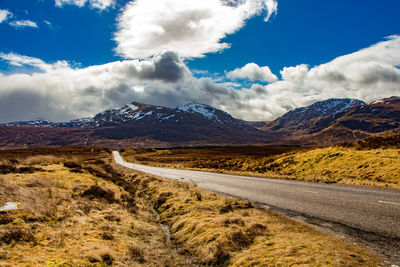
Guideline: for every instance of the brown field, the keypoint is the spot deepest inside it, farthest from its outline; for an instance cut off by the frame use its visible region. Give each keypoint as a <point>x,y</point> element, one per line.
<point>372,162</point>
<point>78,208</point>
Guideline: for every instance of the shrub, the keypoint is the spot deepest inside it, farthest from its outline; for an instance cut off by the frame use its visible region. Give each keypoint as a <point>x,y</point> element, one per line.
<point>226,208</point>
<point>234,221</point>
<point>5,218</point>
<point>107,259</point>
<point>129,203</point>
<point>5,169</point>
<point>85,208</point>
<point>162,198</point>
<point>107,236</point>
<point>98,192</point>
<point>239,239</point>
<point>28,169</point>
<point>16,235</point>
<point>112,218</point>
<point>256,229</point>
<point>136,254</point>
<point>221,255</point>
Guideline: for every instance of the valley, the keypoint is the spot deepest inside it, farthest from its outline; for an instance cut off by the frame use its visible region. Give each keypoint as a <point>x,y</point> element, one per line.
<point>373,162</point>
<point>77,207</point>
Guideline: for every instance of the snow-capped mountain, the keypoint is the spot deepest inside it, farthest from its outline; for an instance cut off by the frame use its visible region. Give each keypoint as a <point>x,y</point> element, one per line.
<point>300,118</point>
<point>337,120</point>
<point>136,124</point>
<point>206,111</point>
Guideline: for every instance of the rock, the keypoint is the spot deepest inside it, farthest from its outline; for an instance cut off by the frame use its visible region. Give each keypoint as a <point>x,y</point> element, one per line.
<point>9,206</point>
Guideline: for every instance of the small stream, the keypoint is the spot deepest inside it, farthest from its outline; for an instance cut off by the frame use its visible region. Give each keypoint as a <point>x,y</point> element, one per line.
<point>166,230</point>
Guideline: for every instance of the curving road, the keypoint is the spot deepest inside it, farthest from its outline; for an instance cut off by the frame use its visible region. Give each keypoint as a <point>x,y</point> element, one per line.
<point>367,214</point>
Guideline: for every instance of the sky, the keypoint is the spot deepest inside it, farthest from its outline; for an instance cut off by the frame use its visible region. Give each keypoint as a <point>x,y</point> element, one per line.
<point>256,59</point>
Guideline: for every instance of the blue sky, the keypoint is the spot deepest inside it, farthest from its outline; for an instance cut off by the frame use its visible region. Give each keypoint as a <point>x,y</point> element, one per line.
<point>310,32</point>
<point>58,38</point>
<point>307,32</point>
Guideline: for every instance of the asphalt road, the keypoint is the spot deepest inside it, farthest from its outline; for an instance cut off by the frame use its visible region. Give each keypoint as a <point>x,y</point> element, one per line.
<point>366,210</point>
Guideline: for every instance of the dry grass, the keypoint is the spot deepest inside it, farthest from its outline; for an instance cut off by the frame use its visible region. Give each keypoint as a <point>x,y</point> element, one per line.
<point>365,163</point>
<point>375,167</point>
<point>222,231</point>
<point>78,219</point>
<point>87,211</point>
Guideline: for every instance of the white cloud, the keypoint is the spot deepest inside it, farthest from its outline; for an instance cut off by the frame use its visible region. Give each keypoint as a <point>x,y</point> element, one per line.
<point>19,61</point>
<point>230,84</point>
<point>59,92</point>
<point>4,15</point>
<point>191,28</point>
<point>367,74</point>
<point>23,24</point>
<point>100,4</point>
<point>79,3</point>
<point>272,7</point>
<point>252,72</point>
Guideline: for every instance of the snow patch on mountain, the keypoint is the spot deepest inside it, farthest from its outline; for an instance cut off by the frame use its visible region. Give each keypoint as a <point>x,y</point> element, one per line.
<point>331,106</point>
<point>205,110</point>
<point>128,107</point>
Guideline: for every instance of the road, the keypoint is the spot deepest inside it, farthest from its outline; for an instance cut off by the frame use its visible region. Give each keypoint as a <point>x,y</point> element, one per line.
<point>367,212</point>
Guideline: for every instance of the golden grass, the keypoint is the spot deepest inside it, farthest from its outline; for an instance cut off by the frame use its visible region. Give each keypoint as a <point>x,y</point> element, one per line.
<point>87,211</point>
<point>376,167</point>
<point>62,222</point>
<point>347,165</point>
<point>219,230</point>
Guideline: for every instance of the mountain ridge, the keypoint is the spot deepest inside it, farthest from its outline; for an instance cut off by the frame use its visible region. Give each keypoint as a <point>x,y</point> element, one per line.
<point>325,122</point>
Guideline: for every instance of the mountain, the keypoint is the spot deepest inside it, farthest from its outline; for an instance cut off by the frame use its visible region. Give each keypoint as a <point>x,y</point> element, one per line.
<point>218,116</point>
<point>138,124</point>
<point>313,118</point>
<point>187,123</point>
<point>336,121</point>
<point>37,122</point>
<point>326,122</point>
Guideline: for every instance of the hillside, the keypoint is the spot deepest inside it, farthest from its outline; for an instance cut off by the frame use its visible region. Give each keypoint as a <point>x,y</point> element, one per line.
<point>77,208</point>
<point>372,162</point>
<point>335,121</point>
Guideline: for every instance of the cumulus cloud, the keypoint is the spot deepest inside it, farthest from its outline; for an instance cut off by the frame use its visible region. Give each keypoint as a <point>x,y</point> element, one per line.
<point>23,24</point>
<point>99,4</point>
<point>253,72</point>
<point>367,74</point>
<point>57,91</point>
<point>191,28</point>
<point>5,15</point>
<point>63,92</point>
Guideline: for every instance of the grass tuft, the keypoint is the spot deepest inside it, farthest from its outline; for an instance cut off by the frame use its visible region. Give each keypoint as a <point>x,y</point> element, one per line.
<point>136,254</point>
<point>15,235</point>
<point>98,192</point>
